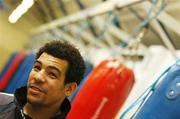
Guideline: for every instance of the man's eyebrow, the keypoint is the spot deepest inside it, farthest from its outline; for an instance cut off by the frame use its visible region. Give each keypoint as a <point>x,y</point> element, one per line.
<point>37,62</point>
<point>49,67</point>
<point>54,68</point>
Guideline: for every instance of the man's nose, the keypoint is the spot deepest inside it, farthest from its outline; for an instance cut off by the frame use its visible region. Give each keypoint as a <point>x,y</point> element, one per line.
<point>40,76</point>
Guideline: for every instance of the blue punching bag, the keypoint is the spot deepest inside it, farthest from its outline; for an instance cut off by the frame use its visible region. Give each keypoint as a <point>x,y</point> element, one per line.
<point>21,75</point>
<point>30,62</point>
<point>8,64</point>
<point>164,102</point>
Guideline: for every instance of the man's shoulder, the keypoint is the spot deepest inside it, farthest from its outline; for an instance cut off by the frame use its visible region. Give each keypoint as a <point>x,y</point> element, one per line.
<point>7,105</point>
<point>6,98</point>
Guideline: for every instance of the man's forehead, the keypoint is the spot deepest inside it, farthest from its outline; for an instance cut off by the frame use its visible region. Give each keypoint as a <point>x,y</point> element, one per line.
<point>50,60</point>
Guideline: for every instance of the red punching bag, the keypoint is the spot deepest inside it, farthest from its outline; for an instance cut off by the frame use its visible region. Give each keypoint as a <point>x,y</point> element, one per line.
<point>104,92</point>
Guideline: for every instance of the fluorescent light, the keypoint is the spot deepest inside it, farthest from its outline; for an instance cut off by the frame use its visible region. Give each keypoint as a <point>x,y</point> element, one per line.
<point>20,10</point>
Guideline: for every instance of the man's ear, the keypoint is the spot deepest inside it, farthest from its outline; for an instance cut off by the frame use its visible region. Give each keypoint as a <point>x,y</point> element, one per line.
<point>70,88</point>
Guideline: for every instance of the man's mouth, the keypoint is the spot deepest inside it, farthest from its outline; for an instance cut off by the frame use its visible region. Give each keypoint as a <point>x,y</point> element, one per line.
<point>35,89</point>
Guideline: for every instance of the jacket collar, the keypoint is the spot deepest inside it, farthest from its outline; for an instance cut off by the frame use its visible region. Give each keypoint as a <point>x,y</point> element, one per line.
<point>21,99</point>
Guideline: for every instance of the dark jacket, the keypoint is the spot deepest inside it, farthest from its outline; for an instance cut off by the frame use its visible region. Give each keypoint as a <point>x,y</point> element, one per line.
<point>11,106</point>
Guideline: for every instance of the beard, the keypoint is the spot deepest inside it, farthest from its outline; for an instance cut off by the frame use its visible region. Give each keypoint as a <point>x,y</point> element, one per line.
<point>35,101</point>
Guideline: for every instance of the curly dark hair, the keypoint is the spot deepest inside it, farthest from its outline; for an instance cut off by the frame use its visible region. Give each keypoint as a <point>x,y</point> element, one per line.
<point>68,52</point>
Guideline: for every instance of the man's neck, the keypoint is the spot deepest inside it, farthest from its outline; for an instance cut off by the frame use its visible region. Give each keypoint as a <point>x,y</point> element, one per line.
<point>39,112</point>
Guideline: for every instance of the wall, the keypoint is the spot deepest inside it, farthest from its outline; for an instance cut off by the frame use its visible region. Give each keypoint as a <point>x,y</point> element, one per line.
<point>12,38</point>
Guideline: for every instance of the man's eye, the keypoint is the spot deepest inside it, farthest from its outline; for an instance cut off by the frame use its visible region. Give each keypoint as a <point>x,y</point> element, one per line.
<point>37,68</point>
<point>52,75</point>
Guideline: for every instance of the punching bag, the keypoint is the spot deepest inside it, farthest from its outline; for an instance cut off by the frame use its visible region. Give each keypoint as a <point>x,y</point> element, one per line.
<point>20,78</point>
<point>8,64</point>
<point>104,92</point>
<point>11,70</point>
<point>164,102</point>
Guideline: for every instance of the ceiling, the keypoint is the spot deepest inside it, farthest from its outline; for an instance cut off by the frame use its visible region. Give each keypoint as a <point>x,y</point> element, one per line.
<point>127,19</point>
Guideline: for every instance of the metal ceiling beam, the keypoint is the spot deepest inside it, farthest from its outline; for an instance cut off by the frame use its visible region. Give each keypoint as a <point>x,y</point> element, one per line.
<point>166,19</point>
<point>90,12</point>
<point>100,23</point>
<point>106,36</point>
<point>67,37</point>
<point>91,26</point>
<point>88,37</point>
<point>170,22</point>
<point>50,9</point>
<point>114,31</point>
<point>111,28</point>
<point>160,30</point>
<point>120,34</point>
<point>173,6</point>
<point>164,37</point>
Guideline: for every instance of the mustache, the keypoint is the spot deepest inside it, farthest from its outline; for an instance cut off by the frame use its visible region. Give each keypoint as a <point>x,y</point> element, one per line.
<point>37,87</point>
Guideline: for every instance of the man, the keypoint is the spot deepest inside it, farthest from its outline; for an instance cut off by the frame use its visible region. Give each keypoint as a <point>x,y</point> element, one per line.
<point>57,71</point>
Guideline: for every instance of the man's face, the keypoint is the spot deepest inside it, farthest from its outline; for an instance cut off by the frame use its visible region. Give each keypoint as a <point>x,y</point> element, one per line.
<point>46,81</point>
